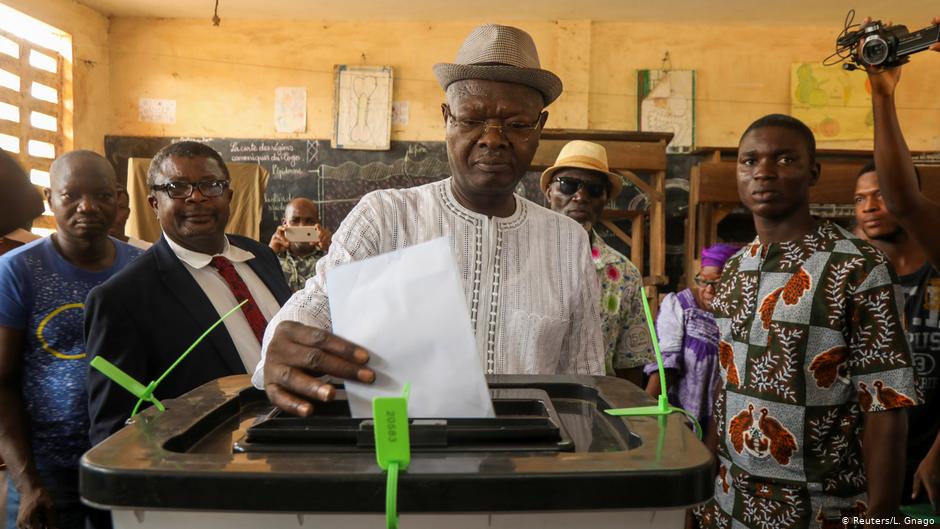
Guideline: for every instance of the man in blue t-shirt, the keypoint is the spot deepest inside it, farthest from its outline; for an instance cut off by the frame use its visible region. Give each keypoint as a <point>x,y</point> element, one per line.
<point>43,366</point>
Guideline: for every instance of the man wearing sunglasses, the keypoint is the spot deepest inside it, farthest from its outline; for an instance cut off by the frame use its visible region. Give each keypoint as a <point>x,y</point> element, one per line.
<point>145,317</point>
<point>526,271</point>
<point>580,185</point>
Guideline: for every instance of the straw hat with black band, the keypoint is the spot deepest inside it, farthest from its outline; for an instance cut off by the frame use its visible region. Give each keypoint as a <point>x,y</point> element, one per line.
<point>584,155</point>
<point>500,53</point>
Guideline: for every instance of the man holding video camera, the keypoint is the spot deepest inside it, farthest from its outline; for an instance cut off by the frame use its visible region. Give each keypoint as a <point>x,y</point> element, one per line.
<point>917,217</point>
<point>298,249</point>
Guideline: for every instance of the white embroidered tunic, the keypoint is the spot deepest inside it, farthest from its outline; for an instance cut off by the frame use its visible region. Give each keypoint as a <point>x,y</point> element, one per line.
<point>528,278</point>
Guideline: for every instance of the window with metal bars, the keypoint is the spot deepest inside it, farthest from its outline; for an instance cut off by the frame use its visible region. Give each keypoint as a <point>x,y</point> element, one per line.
<point>34,59</point>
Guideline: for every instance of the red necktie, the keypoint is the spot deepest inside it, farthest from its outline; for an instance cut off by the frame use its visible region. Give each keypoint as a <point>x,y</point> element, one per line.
<point>240,291</point>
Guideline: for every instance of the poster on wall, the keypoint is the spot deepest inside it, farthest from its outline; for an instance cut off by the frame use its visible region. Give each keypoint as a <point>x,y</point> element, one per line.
<point>290,109</point>
<point>666,101</point>
<point>834,103</point>
<point>362,108</point>
<point>400,113</point>
<point>161,111</point>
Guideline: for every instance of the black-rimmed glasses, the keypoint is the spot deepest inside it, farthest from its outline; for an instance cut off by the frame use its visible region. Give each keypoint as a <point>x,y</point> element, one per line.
<point>570,186</point>
<point>512,130</point>
<point>207,188</point>
<point>702,282</point>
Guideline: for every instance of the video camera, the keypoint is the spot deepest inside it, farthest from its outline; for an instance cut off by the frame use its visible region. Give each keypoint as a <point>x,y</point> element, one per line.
<point>881,45</point>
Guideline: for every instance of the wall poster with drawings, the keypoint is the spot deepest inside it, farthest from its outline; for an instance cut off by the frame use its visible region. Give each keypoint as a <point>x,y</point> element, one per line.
<point>362,108</point>
<point>666,101</point>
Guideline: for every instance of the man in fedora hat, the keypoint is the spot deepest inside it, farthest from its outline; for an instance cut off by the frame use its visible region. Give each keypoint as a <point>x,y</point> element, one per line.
<point>507,249</point>
<point>580,185</point>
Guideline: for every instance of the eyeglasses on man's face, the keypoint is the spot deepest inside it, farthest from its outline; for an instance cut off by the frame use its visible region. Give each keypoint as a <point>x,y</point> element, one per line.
<point>703,282</point>
<point>514,130</point>
<point>570,186</point>
<point>207,188</point>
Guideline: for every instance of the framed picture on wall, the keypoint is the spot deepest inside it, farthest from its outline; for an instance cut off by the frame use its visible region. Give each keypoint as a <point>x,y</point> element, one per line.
<point>362,108</point>
<point>666,101</point>
<point>834,103</point>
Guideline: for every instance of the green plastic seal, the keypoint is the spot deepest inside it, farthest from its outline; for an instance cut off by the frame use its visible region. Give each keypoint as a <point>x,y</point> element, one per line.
<point>392,446</point>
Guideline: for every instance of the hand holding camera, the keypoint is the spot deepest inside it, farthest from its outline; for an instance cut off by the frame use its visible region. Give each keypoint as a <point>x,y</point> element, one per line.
<point>880,49</point>
<point>279,243</point>
<point>873,43</point>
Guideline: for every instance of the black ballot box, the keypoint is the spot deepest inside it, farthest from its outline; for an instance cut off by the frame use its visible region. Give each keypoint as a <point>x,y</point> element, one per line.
<point>222,456</point>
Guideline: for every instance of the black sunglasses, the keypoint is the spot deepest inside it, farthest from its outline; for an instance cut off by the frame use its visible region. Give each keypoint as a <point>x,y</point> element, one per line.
<point>570,186</point>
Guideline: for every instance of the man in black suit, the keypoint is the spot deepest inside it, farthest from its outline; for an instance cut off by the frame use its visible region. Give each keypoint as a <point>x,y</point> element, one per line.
<point>143,318</point>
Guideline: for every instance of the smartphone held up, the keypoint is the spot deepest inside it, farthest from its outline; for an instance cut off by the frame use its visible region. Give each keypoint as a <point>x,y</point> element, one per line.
<point>302,233</point>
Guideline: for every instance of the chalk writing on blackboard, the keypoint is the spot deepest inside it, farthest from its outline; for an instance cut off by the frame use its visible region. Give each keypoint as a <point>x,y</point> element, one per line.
<point>276,203</point>
<point>296,169</point>
<point>262,151</point>
<point>927,158</point>
<point>313,151</point>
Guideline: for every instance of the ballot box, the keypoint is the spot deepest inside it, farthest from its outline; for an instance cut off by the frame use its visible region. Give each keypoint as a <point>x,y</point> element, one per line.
<point>222,457</point>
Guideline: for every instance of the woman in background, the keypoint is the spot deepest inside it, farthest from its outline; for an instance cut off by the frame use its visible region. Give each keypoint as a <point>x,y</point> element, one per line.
<point>688,339</point>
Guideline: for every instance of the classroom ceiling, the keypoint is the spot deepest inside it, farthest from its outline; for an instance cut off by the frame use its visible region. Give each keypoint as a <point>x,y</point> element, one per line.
<point>790,12</point>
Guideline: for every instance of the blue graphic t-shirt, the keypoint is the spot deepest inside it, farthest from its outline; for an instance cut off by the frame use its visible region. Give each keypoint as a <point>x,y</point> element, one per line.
<point>44,295</point>
<point>922,319</point>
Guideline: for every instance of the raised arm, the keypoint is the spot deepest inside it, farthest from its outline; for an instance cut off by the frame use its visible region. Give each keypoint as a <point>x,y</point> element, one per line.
<point>917,214</point>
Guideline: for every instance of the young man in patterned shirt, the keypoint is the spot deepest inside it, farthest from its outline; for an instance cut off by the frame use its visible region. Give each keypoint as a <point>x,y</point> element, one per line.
<point>580,185</point>
<point>816,371</point>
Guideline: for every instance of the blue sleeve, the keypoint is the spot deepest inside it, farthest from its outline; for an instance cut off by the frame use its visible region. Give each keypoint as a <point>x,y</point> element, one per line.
<point>15,293</point>
<point>129,254</point>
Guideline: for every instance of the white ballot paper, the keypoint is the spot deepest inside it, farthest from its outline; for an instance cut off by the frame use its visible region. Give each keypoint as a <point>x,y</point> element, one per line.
<point>408,309</point>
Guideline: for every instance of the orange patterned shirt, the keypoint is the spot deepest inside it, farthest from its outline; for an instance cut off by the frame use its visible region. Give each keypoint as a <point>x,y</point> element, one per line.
<point>811,340</point>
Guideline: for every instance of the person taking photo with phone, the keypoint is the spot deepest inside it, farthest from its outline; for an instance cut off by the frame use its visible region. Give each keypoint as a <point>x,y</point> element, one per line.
<point>298,250</point>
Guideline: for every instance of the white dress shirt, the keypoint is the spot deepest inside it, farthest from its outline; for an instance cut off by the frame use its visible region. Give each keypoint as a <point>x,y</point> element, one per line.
<point>528,278</point>
<point>219,293</point>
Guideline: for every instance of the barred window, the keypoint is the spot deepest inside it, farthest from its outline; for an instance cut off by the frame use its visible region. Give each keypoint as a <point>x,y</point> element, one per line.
<point>35,98</point>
